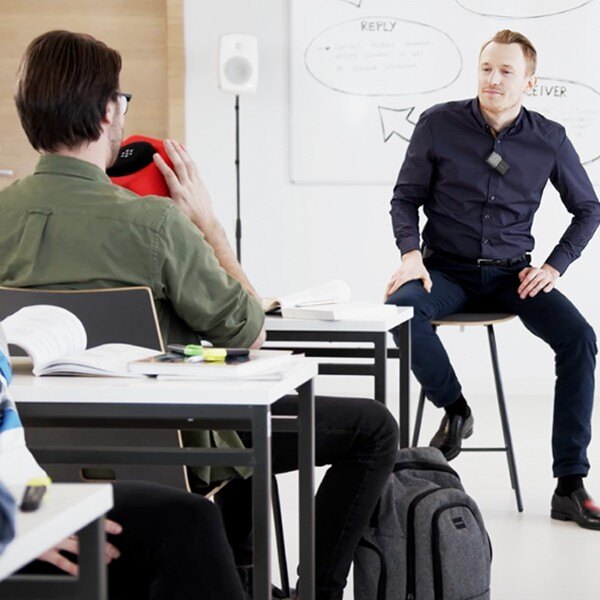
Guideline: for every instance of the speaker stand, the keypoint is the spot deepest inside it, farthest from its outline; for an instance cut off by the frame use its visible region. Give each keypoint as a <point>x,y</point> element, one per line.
<point>238,220</point>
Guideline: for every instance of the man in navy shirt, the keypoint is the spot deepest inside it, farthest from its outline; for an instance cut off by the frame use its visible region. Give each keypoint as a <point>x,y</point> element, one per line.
<point>478,168</point>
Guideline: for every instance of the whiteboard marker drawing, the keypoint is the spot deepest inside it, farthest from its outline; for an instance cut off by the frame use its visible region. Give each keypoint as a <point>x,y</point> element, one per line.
<point>383,56</point>
<point>517,9</point>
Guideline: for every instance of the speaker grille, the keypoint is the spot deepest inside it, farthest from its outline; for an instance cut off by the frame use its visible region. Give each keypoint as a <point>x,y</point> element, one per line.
<point>238,70</point>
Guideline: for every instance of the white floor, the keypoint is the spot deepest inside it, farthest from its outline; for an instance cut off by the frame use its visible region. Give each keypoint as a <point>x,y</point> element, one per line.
<point>534,557</point>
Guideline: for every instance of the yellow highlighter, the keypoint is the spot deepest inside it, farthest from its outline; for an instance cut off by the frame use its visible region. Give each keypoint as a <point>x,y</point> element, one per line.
<point>34,492</point>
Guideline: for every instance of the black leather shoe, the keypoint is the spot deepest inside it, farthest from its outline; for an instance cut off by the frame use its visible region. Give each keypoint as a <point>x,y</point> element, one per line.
<point>453,430</point>
<point>578,507</point>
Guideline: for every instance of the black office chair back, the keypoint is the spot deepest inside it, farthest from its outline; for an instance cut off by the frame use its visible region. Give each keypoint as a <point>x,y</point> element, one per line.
<point>112,315</point>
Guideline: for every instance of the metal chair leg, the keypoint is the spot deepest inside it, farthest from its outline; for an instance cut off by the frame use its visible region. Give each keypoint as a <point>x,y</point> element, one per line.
<point>418,419</point>
<point>510,455</point>
<point>279,539</point>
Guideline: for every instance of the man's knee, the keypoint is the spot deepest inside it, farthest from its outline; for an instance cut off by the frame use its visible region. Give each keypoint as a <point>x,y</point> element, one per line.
<point>382,427</point>
<point>412,293</point>
<point>579,336</point>
<point>195,518</point>
<point>368,423</point>
<point>587,336</point>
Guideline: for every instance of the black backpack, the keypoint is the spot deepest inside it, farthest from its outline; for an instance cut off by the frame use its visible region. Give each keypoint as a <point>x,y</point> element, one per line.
<point>426,539</point>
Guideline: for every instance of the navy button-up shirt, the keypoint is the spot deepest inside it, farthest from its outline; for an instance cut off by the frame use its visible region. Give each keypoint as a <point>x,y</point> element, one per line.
<point>472,210</point>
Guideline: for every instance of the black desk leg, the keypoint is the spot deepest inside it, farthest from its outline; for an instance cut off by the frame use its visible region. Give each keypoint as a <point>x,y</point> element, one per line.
<point>92,569</point>
<point>405,362</point>
<point>380,365</point>
<point>261,495</point>
<point>306,460</point>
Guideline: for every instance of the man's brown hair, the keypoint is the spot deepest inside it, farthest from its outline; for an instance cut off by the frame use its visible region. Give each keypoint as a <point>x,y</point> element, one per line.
<point>64,84</point>
<point>506,36</point>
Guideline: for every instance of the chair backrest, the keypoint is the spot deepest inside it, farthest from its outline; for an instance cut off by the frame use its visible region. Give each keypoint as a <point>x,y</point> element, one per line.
<point>112,315</point>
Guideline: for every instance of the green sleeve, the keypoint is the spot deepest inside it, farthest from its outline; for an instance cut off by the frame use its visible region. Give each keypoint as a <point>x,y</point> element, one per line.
<point>204,295</point>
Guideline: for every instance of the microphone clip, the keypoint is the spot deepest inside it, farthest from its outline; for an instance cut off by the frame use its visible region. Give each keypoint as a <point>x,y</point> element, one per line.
<point>497,163</point>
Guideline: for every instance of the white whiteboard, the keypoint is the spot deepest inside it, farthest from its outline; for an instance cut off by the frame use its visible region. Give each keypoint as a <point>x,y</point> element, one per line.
<point>362,71</point>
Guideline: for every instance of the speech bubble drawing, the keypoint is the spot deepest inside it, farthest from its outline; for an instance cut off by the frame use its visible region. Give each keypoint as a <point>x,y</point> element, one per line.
<point>383,56</point>
<point>397,121</point>
<point>517,9</point>
<point>574,105</point>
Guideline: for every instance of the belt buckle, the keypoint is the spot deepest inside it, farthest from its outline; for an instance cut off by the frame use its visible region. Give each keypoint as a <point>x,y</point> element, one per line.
<point>482,262</point>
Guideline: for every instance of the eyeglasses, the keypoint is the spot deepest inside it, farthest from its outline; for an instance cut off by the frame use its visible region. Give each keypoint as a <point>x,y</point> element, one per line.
<point>124,100</point>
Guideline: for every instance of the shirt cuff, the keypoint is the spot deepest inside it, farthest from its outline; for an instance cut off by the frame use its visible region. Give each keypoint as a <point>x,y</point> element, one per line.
<point>559,260</point>
<point>408,244</point>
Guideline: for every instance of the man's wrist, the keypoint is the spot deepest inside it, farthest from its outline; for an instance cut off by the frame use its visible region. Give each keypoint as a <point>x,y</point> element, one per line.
<point>550,269</point>
<point>412,254</point>
<point>206,223</point>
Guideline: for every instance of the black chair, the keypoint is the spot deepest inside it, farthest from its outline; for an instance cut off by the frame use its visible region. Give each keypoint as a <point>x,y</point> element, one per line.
<point>487,320</point>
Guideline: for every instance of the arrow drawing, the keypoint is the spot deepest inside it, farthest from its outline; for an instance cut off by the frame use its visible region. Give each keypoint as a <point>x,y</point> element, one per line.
<point>397,121</point>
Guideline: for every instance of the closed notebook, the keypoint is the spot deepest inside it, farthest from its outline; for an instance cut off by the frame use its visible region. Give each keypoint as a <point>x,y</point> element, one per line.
<point>257,362</point>
<point>367,311</point>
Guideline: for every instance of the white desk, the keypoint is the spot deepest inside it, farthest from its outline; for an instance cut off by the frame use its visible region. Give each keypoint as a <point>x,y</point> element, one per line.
<point>374,332</point>
<point>66,509</point>
<point>114,402</point>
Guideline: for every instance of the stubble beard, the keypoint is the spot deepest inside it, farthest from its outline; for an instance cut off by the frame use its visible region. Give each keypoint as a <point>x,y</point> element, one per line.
<point>115,138</point>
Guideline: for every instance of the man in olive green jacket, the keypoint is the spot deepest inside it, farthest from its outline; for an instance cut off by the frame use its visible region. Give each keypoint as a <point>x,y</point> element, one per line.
<point>67,227</point>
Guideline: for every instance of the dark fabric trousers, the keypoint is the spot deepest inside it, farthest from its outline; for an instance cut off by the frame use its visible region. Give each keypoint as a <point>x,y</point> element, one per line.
<point>359,438</point>
<point>173,545</point>
<point>549,316</point>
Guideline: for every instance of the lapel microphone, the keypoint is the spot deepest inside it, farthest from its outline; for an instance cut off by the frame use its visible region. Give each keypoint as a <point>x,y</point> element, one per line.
<point>497,163</point>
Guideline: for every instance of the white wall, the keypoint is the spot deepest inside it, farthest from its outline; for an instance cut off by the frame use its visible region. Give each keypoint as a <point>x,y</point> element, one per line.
<point>297,236</point>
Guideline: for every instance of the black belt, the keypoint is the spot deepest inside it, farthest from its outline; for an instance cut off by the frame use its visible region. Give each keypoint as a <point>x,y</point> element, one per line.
<point>478,262</point>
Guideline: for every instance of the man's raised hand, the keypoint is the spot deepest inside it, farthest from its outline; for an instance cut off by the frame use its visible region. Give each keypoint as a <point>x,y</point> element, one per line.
<point>187,189</point>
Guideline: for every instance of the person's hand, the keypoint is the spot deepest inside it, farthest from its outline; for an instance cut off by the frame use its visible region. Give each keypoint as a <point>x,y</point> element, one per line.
<point>71,544</point>
<point>412,268</point>
<point>534,279</point>
<point>187,189</point>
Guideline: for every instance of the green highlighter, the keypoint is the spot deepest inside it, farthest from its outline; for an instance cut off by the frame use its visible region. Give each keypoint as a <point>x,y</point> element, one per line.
<point>209,354</point>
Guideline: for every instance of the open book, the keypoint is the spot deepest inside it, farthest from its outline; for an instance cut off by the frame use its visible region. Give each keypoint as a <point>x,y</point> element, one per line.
<point>56,341</point>
<point>328,293</point>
